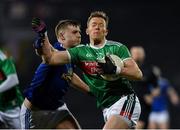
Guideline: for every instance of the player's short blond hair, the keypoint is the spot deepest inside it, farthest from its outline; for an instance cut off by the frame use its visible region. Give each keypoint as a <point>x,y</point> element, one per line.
<point>63,24</point>
<point>99,14</point>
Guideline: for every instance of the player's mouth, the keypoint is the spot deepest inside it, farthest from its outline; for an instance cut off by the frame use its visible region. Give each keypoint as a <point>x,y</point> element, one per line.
<point>96,32</point>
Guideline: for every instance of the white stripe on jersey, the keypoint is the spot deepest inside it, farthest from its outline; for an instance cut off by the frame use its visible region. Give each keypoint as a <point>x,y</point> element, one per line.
<point>2,56</point>
<point>114,43</point>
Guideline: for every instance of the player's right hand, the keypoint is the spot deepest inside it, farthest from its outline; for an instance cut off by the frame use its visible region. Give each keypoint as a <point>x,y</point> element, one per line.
<point>38,43</point>
<point>108,67</point>
<point>39,26</point>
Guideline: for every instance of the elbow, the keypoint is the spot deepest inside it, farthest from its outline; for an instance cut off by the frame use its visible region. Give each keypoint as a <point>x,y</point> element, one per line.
<point>139,75</point>
<point>47,59</point>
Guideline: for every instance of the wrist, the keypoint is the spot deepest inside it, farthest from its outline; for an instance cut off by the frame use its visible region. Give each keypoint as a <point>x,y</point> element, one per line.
<point>45,33</point>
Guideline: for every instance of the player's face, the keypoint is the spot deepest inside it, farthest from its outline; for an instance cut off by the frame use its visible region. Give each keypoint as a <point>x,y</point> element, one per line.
<point>97,28</point>
<point>71,36</point>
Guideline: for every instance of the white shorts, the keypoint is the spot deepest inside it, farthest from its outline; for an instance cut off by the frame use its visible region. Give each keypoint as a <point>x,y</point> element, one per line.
<point>128,107</point>
<point>10,119</point>
<point>159,117</point>
<point>43,119</point>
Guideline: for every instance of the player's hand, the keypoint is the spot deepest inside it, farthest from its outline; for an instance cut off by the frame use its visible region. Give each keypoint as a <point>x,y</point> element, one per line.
<point>39,26</point>
<point>108,67</point>
<point>67,77</point>
<point>38,43</point>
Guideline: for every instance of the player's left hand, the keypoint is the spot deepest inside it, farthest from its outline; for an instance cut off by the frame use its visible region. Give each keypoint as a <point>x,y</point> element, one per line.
<point>67,77</point>
<point>39,26</point>
<point>108,67</point>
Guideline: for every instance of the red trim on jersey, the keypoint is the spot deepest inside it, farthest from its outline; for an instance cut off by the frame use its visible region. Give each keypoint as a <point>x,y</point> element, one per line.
<point>126,114</point>
<point>2,77</point>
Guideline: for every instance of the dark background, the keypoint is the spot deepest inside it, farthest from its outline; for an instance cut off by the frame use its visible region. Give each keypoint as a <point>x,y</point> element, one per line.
<point>153,25</point>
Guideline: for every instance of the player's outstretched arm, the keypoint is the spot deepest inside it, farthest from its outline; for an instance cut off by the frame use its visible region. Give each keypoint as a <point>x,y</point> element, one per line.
<point>47,52</point>
<point>10,82</point>
<point>173,95</point>
<point>52,57</point>
<point>79,84</point>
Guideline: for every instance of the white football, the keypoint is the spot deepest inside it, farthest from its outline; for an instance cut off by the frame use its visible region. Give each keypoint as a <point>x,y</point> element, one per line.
<point>116,61</point>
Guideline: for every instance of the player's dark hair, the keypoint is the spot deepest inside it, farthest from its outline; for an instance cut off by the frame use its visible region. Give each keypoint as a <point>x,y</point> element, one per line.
<point>63,24</point>
<point>99,14</point>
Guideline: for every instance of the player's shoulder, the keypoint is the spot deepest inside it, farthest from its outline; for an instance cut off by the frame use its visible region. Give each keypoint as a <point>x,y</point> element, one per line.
<point>2,56</point>
<point>164,80</point>
<point>80,46</point>
<point>114,43</point>
<point>58,46</point>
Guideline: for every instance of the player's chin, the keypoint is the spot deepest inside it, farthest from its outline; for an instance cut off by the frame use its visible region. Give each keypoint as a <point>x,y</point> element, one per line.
<point>96,36</point>
<point>76,43</point>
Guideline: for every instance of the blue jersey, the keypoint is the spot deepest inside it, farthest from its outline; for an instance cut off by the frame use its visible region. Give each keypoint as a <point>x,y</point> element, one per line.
<point>47,88</point>
<point>160,103</point>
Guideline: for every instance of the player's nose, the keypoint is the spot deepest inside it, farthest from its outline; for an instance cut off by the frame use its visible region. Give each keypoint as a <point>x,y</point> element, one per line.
<point>78,35</point>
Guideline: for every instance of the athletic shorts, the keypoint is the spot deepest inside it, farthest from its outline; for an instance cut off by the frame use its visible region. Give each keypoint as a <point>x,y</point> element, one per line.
<point>10,119</point>
<point>159,117</point>
<point>43,119</point>
<point>128,107</point>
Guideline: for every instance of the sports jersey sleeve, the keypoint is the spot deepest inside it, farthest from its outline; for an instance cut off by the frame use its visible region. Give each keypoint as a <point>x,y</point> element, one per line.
<point>8,67</point>
<point>73,52</point>
<point>123,52</point>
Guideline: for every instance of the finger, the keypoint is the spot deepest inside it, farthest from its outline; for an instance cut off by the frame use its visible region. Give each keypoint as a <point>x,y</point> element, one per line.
<point>35,22</point>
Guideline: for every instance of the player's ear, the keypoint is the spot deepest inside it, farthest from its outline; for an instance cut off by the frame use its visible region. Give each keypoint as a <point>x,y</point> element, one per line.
<point>61,36</point>
<point>106,32</point>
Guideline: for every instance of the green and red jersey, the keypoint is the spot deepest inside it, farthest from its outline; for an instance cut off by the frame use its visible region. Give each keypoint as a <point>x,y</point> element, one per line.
<point>11,97</point>
<point>86,57</point>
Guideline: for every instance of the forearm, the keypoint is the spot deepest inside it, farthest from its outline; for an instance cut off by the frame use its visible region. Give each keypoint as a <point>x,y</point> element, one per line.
<point>51,56</point>
<point>79,84</point>
<point>131,74</point>
<point>43,46</point>
<point>131,71</point>
<point>173,95</point>
<point>46,50</point>
<point>10,82</point>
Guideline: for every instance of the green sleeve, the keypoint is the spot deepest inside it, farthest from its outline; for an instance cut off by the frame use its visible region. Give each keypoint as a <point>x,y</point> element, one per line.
<point>73,54</point>
<point>8,67</point>
<point>123,52</point>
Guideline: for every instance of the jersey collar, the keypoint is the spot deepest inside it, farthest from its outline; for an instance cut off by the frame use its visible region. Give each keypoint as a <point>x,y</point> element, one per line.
<point>94,47</point>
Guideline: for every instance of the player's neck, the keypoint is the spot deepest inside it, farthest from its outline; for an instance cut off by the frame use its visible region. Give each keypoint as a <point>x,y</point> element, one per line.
<point>65,45</point>
<point>97,43</point>
<point>98,46</point>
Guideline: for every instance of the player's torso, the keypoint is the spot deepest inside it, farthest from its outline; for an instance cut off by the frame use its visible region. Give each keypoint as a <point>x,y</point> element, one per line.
<point>88,55</point>
<point>106,92</point>
<point>12,97</point>
<point>48,86</point>
<point>160,102</point>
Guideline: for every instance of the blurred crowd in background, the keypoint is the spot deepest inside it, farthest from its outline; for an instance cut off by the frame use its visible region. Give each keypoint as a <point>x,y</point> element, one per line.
<point>153,25</point>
